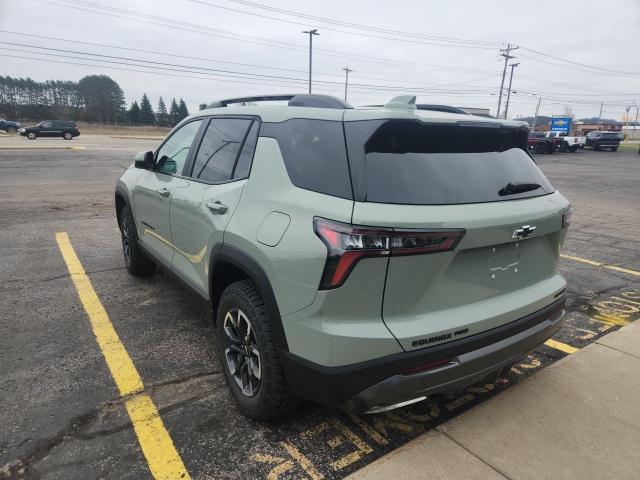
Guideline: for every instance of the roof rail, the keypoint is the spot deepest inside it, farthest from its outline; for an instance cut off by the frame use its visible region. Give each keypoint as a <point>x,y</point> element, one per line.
<point>441,108</point>
<point>299,100</point>
<point>256,98</point>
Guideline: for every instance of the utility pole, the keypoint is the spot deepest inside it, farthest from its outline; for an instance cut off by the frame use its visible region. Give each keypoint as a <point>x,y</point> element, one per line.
<point>535,118</point>
<point>346,80</point>
<point>505,53</point>
<point>627,128</point>
<point>311,33</point>
<point>506,107</point>
<point>635,123</point>
<point>600,114</point>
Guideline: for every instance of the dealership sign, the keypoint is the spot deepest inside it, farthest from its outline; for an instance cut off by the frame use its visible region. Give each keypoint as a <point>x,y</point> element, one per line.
<point>560,124</point>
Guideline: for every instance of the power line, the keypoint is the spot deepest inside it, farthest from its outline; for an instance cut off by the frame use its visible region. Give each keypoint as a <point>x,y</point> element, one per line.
<point>316,18</point>
<point>399,33</point>
<point>209,31</point>
<point>436,42</point>
<point>172,67</point>
<point>594,67</point>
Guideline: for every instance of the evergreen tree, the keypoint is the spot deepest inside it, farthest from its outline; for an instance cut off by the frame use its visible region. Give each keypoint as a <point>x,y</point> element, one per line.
<point>174,112</point>
<point>162,116</point>
<point>134,113</point>
<point>103,98</point>
<point>147,116</point>
<point>183,111</point>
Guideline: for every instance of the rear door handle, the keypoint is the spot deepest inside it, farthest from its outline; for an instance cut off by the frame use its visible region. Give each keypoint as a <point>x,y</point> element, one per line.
<point>217,207</point>
<point>164,192</point>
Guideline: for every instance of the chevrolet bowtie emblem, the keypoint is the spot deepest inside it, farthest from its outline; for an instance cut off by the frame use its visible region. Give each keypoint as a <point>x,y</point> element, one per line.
<point>523,232</point>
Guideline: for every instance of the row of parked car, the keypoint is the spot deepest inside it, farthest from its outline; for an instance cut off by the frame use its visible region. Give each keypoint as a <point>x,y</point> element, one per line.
<point>48,128</point>
<point>550,142</point>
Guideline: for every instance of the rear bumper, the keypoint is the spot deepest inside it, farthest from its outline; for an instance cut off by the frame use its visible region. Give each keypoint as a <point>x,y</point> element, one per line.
<point>382,382</point>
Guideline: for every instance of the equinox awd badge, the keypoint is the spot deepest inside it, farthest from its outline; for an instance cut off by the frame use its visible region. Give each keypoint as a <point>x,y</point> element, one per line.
<point>523,232</point>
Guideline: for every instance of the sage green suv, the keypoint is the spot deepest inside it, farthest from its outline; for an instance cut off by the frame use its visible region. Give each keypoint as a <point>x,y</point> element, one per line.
<point>357,257</point>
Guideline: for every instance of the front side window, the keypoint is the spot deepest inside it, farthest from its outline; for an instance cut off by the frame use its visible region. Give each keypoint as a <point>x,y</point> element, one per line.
<point>220,148</point>
<point>173,154</point>
<point>47,124</point>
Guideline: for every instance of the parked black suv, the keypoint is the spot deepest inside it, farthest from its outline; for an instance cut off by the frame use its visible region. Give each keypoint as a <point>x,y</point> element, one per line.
<point>600,140</point>
<point>9,126</point>
<point>51,128</point>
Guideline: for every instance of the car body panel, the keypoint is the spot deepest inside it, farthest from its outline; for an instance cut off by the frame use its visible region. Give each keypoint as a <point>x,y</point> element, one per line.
<point>295,264</point>
<point>152,213</point>
<point>196,230</point>
<point>485,281</point>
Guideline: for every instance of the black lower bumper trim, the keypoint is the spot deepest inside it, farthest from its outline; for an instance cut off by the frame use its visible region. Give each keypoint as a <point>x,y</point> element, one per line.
<point>334,386</point>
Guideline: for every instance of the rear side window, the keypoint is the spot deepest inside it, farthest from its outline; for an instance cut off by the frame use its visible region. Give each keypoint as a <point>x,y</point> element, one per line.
<point>220,149</point>
<point>314,154</point>
<point>407,162</point>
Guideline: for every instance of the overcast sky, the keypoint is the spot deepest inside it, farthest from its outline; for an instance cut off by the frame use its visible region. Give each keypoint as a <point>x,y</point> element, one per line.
<point>447,51</point>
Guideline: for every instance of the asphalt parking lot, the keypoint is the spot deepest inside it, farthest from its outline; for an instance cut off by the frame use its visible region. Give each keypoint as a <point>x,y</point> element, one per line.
<point>61,413</point>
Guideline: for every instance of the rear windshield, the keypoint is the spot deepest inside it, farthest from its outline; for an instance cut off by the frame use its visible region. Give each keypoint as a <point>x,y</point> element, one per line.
<point>610,135</point>
<point>407,162</point>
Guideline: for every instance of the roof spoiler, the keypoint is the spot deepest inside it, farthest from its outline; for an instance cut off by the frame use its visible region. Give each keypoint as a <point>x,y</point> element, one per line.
<point>406,102</point>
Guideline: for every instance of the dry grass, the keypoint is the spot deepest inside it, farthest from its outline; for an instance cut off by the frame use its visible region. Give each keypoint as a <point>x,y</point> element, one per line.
<point>143,131</point>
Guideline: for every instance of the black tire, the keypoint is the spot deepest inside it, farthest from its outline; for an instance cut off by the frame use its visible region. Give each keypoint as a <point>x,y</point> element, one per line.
<point>137,262</point>
<point>67,136</point>
<point>596,147</point>
<point>574,148</point>
<point>11,130</point>
<point>613,149</point>
<point>32,136</point>
<point>270,397</point>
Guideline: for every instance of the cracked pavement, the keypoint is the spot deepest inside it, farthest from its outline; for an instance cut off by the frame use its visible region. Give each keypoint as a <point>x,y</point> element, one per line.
<point>60,412</point>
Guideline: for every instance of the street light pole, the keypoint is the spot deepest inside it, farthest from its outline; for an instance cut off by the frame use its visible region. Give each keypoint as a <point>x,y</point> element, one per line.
<point>506,107</point>
<point>311,33</point>
<point>346,80</point>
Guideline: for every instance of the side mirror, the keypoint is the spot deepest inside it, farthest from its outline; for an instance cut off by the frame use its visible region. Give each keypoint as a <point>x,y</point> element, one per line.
<point>144,160</point>
<point>167,165</point>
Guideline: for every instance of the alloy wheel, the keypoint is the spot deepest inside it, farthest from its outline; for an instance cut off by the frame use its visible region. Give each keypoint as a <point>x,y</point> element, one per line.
<point>242,354</point>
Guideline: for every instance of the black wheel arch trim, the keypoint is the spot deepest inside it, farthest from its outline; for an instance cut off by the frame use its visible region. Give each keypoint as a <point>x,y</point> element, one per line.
<point>121,191</point>
<point>243,261</point>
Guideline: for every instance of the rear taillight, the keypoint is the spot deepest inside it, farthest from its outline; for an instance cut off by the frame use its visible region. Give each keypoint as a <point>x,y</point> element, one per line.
<point>566,217</point>
<point>347,244</point>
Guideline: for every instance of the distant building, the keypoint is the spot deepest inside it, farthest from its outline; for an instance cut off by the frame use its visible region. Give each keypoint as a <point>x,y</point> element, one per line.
<point>582,128</point>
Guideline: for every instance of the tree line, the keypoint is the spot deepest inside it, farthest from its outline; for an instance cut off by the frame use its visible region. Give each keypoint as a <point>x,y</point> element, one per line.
<point>95,98</point>
<point>143,114</point>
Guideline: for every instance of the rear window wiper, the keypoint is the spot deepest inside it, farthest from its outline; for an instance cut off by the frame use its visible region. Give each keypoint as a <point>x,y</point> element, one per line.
<point>513,188</point>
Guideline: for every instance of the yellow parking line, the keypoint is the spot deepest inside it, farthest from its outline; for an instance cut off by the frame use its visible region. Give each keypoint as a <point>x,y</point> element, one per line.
<point>623,270</point>
<point>563,347</point>
<point>581,260</point>
<point>603,265</point>
<point>157,446</point>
